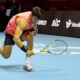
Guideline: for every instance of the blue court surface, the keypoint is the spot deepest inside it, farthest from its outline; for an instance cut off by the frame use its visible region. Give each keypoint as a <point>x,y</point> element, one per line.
<point>49,67</point>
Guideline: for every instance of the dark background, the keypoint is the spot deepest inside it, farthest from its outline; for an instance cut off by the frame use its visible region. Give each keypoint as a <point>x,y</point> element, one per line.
<point>62,29</point>
<point>47,5</point>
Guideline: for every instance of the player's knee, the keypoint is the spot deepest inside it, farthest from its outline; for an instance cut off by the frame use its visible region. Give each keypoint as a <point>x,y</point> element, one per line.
<point>6,56</point>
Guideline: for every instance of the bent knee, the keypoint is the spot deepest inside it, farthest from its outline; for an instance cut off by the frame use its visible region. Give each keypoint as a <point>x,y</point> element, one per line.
<point>6,56</point>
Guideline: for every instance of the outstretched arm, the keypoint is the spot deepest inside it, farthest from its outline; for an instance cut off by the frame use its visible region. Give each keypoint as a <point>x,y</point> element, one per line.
<point>21,24</point>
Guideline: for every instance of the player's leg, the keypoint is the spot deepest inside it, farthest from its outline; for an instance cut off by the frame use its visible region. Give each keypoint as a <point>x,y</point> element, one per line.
<point>27,66</point>
<point>5,51</point>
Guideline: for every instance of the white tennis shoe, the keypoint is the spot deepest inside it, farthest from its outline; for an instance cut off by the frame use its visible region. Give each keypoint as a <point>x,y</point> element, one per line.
<point>28,67</point>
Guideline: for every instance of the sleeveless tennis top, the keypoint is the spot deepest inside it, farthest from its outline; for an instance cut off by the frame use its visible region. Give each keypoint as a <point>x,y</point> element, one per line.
<point>11,26</point>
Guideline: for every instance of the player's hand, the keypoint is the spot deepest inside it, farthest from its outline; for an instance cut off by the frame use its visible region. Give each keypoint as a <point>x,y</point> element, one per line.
<point>29,53</point>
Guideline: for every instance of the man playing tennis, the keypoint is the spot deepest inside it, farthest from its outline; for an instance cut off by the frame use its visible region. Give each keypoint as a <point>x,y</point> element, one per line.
<point>21,26</point>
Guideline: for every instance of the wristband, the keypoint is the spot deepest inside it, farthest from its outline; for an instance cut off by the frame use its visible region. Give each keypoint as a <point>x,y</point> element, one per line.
<point>23,48</point>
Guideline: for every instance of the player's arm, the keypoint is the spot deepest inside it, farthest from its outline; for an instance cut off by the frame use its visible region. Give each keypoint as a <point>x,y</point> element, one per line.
<point>21,24</point>
<point>29,38</point>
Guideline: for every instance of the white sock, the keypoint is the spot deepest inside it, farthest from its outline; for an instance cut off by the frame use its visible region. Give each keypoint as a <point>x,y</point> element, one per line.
<point>28,64</point>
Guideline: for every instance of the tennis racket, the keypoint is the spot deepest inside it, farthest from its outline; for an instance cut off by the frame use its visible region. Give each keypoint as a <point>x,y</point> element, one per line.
<point>55,47</point>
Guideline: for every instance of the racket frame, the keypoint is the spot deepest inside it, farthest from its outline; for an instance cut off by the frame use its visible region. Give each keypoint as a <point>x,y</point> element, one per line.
<point>45,49</point>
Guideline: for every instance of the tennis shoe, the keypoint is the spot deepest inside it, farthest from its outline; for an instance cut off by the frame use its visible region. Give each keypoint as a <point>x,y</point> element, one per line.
<point>28,67</point>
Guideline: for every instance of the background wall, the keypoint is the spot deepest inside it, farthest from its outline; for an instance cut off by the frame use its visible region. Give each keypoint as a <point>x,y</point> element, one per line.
<point>66,23</point>
<point>58,10</point>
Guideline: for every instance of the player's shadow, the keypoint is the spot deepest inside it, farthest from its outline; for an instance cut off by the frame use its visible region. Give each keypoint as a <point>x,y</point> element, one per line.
<point>19,68</point>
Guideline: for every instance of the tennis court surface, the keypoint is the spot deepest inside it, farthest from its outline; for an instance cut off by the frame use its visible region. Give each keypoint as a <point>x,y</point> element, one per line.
<point>48,67</point>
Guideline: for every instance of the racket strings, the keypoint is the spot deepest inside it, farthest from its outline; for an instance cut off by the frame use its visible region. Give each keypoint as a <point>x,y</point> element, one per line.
<point>57,47</point>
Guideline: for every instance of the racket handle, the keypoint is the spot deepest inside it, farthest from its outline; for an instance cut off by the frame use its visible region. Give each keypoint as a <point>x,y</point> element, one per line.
<point>39,52</point>
<point>36,52</point>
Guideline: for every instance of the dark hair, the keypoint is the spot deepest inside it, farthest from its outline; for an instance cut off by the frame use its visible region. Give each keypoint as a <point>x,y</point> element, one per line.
<point>36,11</point>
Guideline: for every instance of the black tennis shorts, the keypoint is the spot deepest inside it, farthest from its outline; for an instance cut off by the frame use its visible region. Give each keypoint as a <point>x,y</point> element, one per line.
<point>8,39</point>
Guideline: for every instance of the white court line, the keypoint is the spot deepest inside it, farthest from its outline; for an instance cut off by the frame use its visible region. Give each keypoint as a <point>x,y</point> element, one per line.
<point>70,47</point>
<point>73,47</point>
<point>74,52</point>
<point>70,52</point>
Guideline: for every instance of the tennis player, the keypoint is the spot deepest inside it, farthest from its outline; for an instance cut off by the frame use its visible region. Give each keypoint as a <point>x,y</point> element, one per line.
<point>21,26</point>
